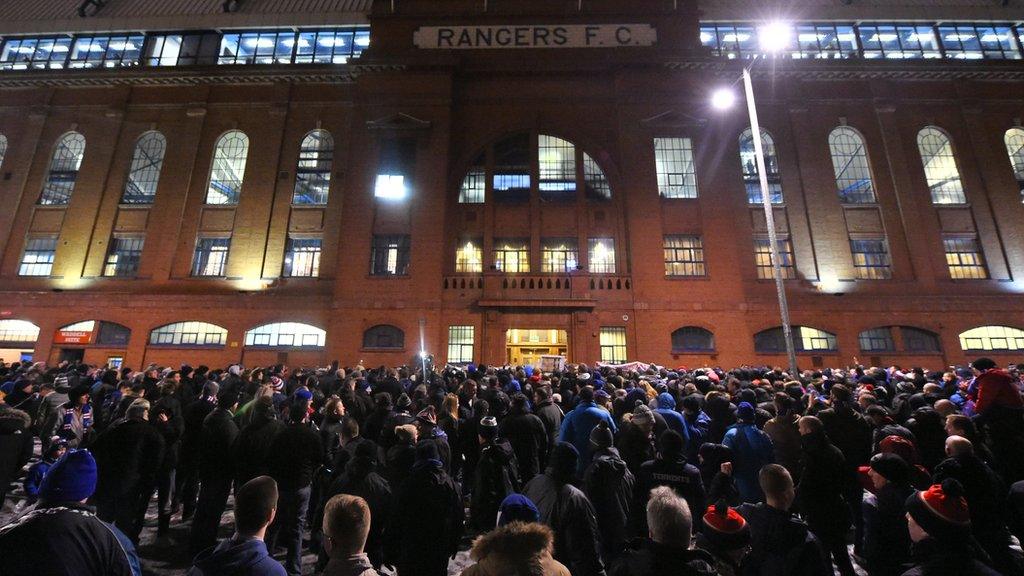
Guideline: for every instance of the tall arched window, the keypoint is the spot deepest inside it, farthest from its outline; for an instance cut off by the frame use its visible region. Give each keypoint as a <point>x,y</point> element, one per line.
<point>805,339</point>
<point>313,174</point>
<point>286,334</point>
<point>1014,147</point>
<point>384,337</point>
<point>989,338</point>
<point>850,161</point>
<point>692,339</point>
<point>63,172</point>
<point>188,334</point>
<point>748,159</point>
<point>228,169</point>
<point>940,167</point>
<point>144,174</point>
<point>3,149</point>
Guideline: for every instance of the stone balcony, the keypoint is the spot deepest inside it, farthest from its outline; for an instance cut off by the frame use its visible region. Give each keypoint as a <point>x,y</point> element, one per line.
<point>573,290</point>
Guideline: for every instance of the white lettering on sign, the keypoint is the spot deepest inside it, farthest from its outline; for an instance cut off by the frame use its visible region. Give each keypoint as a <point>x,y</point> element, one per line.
<point>535,36</point>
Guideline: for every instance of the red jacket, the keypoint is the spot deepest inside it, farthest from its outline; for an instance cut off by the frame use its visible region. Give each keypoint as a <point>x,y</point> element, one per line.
<point>997,388</point>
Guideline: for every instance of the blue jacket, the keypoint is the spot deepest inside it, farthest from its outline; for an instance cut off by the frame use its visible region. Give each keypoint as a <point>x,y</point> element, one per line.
<point>753,450</point>
<point>34,478</point>
<point>577,425</point>
<point>697,428</point>
<point>247,557</point>
<point>674,420</point>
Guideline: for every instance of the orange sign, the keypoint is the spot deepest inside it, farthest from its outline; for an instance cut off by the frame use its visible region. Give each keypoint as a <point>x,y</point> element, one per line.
<point>72,337</point>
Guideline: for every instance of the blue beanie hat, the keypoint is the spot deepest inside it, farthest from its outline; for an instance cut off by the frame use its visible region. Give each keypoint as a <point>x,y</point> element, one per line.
<point>528,370</point>
<point>745,412</point>
<point>304,394</point>
<point>517,508</point>
<point>7,387</point>
<point>70,479</point>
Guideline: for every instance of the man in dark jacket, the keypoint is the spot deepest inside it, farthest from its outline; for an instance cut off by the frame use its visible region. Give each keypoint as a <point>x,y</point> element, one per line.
<point>852,435</point>
<point>609,485</point>
<point>528,437</point>
<point>886,547</point>
<point>187,478</point>
<point>820,492</point>
<point>360,478</point>
<point>940,527</point>
<point>62,535</point>
<point>16,445</point>
<point>426,518</point>
<point>670,469</point>
<point>549,413</point>
<point>401,457</point>
<point>399,417</point>
<point>495,475</point>
<point>293,457</point>
<point>128,455</point>
<point>568,512</point>
<point>667,552</point>
<point>215,470</point>
<point>252,447</point>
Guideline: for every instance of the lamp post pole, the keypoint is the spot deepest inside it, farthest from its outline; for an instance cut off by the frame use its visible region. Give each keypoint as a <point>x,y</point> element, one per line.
<point>769,217</point>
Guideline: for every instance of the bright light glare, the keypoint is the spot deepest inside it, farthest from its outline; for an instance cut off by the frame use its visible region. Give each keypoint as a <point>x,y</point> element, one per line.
<point>423,353</point>
<point>775,37</point>
<point>723,99</point>
<point>390,186</point>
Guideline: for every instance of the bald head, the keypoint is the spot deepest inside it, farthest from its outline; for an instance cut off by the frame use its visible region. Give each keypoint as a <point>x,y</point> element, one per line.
<point>945,407</point>
<point>958,446</point>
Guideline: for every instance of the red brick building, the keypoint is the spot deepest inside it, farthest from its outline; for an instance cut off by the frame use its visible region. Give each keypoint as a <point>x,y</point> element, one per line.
<point>496,180</point>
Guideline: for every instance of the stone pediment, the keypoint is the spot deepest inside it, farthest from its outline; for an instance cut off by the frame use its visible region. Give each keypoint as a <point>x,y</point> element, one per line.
<point>400,122</point>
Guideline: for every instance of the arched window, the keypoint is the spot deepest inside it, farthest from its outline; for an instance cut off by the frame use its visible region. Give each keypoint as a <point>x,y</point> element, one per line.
<point>877,340</point>
<point>188,334</point>
<point>3,149</point>
<point>920,340</point>
<point>286,334</point>
<point>989,338</point>
<point>692,339</point>
<point>63,172</point>
<point>748,159</point>
<point>1014,147</point>
<point>805,339</point>
<point>940,167</point>
<point>597,186</point>
<point>850,161</point>
<point>313,173</point>
<point>101,332</point>
<point>144,174</point>
<point>18,333</point>
<point>474,183</point>
<point>228,169</point>
<point>384,337</point>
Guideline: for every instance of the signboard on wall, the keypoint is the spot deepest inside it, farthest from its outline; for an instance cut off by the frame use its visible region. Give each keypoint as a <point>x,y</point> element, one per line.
<point>72,337</point>
<point>535,36</point>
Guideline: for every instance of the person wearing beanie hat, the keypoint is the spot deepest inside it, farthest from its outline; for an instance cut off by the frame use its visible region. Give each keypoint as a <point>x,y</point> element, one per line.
<point>428,431</point>
<point>752,448</point>
<point>517,508</point>
<point>670,468</point>
<point>34,478</point>
<point>568,511</point>
<point>495,476</point>
<point>526,434</point>
<point>636,442</point>
<point>886,546</point>
<point>726,536</point>
<point>399,417</point>
<point>939,523</point>
<point>673,419</point>
<point>216,472</point>
<point>610,485</point>
<point>62,535</point>
<point>578,423</point>
<point>519,545</point>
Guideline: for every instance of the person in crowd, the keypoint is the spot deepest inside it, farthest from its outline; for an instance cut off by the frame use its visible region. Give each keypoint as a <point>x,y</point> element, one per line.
<point>75,417</point>
<point>361,479</point>
<point>698,426</point>
<point>671,469</point>
<point>886,547</point>
<point>568,512</point>
<point>939,524</point>
<point>550,415</point>
<point>245,553</point>
<point>673,419</point>
<point>449,422</point>
<point>350,438</point>
<point>526,433</point>
<point>578,423</point>
<point>251,449</point>
<point>402,455</point>
<point>785,436</point>
<point>726,537</point>
<point>667,550</point>
<point>216,470</point>
<point>610,486</point>
<point>47,421</point>
<point>36,472</point>
<point>62,535</point>
<point>427,430</point>
<point>169,423</point>
<point>820,492</point>
<point>519,544</point>
<point>399,417</point>
<point>496,475</point>
<point>16,445</point>
<point>346,525</point>
<point>851,433</point>
<point>187,479</point>
<point>752,449</point>
<point>636,439</point>
<point>1000,408</point>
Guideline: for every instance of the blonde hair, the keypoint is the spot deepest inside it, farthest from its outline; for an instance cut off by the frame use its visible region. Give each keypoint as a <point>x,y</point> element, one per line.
<point>347,523</point>
<point>451,406</point>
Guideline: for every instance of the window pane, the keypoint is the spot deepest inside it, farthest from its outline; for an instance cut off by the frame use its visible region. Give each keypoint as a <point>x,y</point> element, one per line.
<point>763,258</point>
<point>18,332</point>
<point>557,159</point>
<point>750,173</point>
<point>395,168</point>
<point>965,258</point>
<point>877,340</point>
<point>597,186</point>
<point>189,334</point>
<point>63,172</point>
<point>389,256</point>
<point>37,259</point>
<point>512,159</point>
<point>987,338</point>
<point>1014,148</point>
<point>473,184</point>
<point>211,257</point>
<point>918,340</point>
<point>871,258</point>
<point>469,257</point>
<point>673,158</point>
<point>512,256</point>
<point>384,336</point>
<point>850,160</point>
<point>940,167</point>
<point>228,170</point>
<point>3,149</point>
<point>123,257</point>
<point>288,334</point>
<point>144,174</point>
<point>313,173</point>
<point>692,339</point>
<point>302,257</point>
<point>601,255</point>
<point>460,344</point>
<point>613,345</point>
<point>684,256</point>
<point>559,255</point>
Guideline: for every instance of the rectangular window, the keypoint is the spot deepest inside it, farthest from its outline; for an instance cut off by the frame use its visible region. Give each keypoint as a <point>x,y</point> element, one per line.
<point>211,257</point>
<point>974,42</point>
<point>460,344</point>
<point>763,258</point>
<point>898,42</point>
<point>684,256</point>
<point>469,257</point>
<point>106,51</point>
<point>965,258</point>
<point>601,255</point>
<point>123,257</point>
<point>512,256</point>
<point>512,159</point>
<point>472,189</point>
<point>264,47</point>
<point>37,259</point>
<point>730,41</point>
<point>673,159</point>
<point>185,49</point>
<point>557,166</point>
<point>825,41</point>
<point>35,53</point>
<point>389,255</point>
<point>877,340</point>
<point>871,258</point>
<point>302,257</point>
<point>559,255</point>
<point>330,46</point>
<point>395,168</point>
<point>613,344</point>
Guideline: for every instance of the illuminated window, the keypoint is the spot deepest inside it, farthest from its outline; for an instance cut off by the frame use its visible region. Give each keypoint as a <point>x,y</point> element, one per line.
<point>286,334</point>
<point>18,332</point>
<point>596,183</point>
<point>1014,148</point>
<point>384,337</point>
<point>395,169</point>
<point>3,149</point>
<point>877,340</point>
<point>673,160</point>
<point>974,42</point>
<point>63,172</point>
<point>989,338</point>
<point>184,49</point>
<point>460,344</point>
<point>188,334</point>
<point>684,256</point>
<point>37,259</point>
<point>825,41</point>
<point>469,257</point>
<point>474,183</point>
<point>965,258</point>
<point>898,42</point>
<point>730,41</point>
<point>313,173</point>
<point>35,53</point>
<point>123,256</point>
<point>748,159</point>
<point>228,169</point>
<point>871,258</point>
<point>763,258</point>
<point>512,159</point>
<point>330,46</point>
<point>805,339</point>
<point>940,167</point>
<point>557,161</point>
<point>144,174</point>
<point>389,255</point>
<point>613,344</point>
<point>512,256</point>
<point>692,339</point>
<point>302,257</point>
<point>559,255</point>
<point>106,51</point>
<point>211,257</point>
<point>601,255</point>
<point>264,47</point>
<point>850,160</point>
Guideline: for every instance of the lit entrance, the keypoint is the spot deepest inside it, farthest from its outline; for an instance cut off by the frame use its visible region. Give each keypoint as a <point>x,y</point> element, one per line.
<point>525,347</point>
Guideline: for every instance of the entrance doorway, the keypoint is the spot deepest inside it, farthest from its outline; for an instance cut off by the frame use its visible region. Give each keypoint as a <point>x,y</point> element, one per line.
<point>524,347</point>
<point>72,355</point>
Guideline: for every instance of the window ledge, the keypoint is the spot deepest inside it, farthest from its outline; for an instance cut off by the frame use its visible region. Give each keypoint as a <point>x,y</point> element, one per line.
<point>705,277</point>
<point>694,352</point>
<point>139,206</point>
<point>383,350</point>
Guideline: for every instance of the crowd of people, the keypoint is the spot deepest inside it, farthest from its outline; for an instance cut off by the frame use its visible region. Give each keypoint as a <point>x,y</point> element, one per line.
<point>588,471</point>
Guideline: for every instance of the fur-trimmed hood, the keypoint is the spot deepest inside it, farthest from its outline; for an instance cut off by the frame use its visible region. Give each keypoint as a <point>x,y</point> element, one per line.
<point>13,420</point>
<point>519,549</point>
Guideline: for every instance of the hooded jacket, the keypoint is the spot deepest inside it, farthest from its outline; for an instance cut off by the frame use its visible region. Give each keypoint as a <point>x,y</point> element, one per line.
<point>519,549</point>
<point>128,456</point>
<point>886,538</point>
<point>529,439</point>
<point>495,477</point>
<point>576,427</point>
<point>996,388</point>
<point>820,492</point>
<point>609,484</point>
<point>674,420</point>
<point>649,558</point>
<point>246,557</point>
<point>781,544</point>
<point>15,443</point>
<point>570,514</point>
<point>753,450</point>
<point>426,517</point>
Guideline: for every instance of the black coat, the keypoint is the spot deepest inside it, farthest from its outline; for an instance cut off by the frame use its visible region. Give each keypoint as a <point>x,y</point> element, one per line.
<point>361,479</point>
<point>191,437</point>
<point>15,444</point>
<point>551,415</point>
<point>635,446</point>
<point>128,455</point>
<point>218,434</point>
<point>781,544</point>
<point>820,492</point>
<point>529,440</point>
<point>400,459</point>
<point>681,477</point>
<point>932,558</point>
<point>850,433</point>
<point>495,477</point>
<point>886,538</point>
<point>294,456</point>
<point>426,517</point>
<point>609,485</point>
<point>571,516</point>
<point>251,447</point>
<point>387,433</point>
<point>648,558</point>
